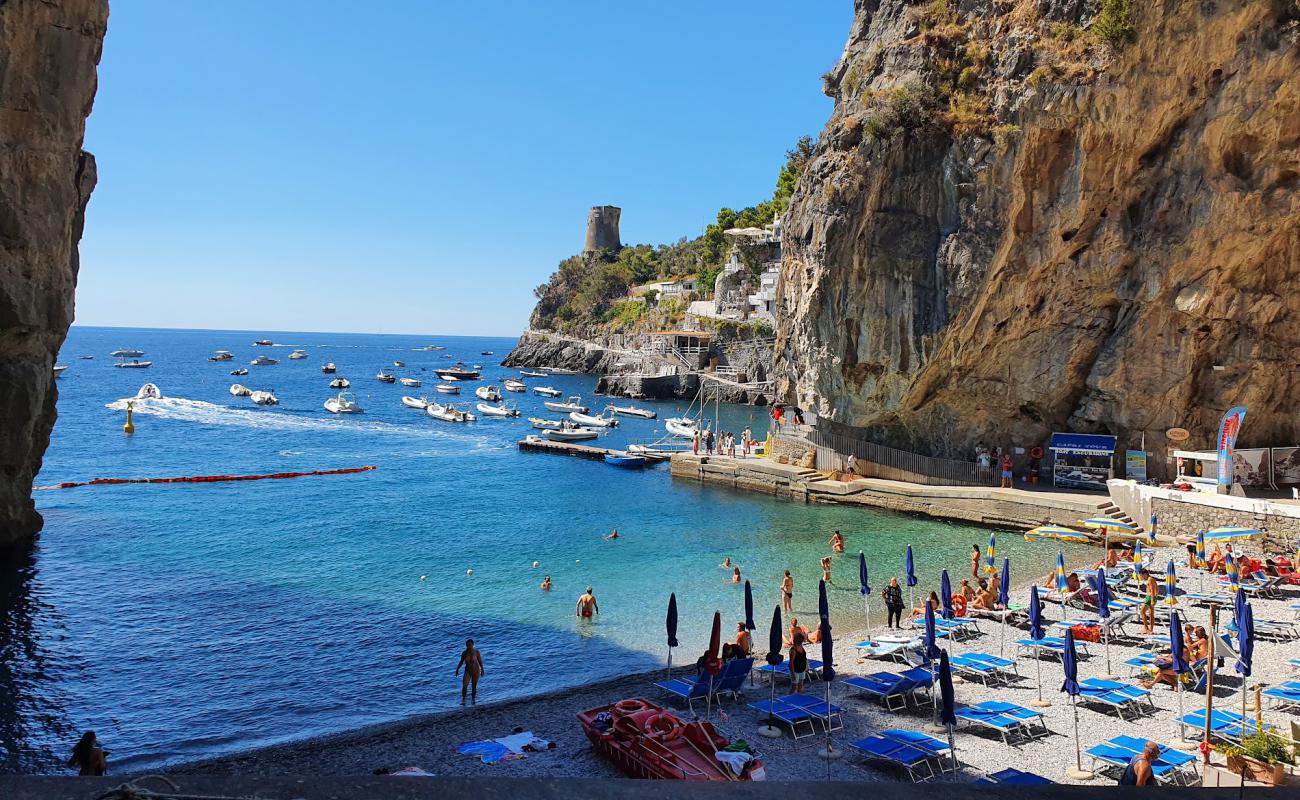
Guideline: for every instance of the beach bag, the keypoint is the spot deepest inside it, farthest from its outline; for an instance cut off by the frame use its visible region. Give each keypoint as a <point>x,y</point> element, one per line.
<point>1086,633</point>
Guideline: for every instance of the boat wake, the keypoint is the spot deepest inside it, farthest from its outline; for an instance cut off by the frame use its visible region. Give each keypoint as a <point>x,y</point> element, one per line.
<point>204,413</point>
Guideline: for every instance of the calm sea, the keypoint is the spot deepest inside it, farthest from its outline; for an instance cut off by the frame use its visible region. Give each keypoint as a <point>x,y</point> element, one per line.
<point>186,621</point>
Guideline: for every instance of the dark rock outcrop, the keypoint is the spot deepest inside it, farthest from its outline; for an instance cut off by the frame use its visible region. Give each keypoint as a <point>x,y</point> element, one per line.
<point>48,55</point>
<point>1010,228</point>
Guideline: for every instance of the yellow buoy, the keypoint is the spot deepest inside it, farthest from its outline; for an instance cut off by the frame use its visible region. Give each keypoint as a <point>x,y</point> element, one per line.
<point>129,427</point>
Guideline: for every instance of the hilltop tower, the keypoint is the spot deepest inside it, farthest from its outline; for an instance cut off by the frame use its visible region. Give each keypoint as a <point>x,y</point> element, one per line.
<point>602,229</point>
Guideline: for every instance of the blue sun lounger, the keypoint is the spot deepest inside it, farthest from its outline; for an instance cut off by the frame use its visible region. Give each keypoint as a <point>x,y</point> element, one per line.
<point>1285,696</point>
<point>1135,693</point>
<point>1032,722</point>
<point>689,689</point>
<point>1171,765</point>
<point>996,718</point>
<point>910,759</point>
<point>829,715</point>
<point>988,668</point>
<point>1035,648</point>
<point>1117,701</point>
<point>937,749</point>
<point>783,669</point>
<point>886,688</point>
<point>790,716</point>
<point>1224,723</point>
<point>1013,777</point>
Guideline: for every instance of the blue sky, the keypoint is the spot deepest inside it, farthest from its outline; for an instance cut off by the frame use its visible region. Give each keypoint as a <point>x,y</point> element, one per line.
<point>419,167</point>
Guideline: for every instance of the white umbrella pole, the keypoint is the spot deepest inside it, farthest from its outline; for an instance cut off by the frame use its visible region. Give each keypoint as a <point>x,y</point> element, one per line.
<point>952,748</point>
<point>1105,632</point>
<point>1038,665</point>
<point>1178,681</point>
<point>866,605</point>
<point>1002,633</point>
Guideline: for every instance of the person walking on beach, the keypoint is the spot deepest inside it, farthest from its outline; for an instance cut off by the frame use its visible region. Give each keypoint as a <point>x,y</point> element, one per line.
<point>472,660</point>
<point>1138,772</point>
<point>975,562</point>
<point>893,594</point>
<point>798,663</point>
<point>709,441</point>
<point>746,439</point>
<point>587,605</point>
<point>787,592</point>
<point>826,570</point>
<point>88,758</point>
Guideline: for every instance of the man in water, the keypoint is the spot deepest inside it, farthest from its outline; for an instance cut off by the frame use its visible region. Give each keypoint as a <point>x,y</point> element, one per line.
<point>612,535</point>
<point>546,583</point>
<point>472,660</point>
<point>587,605</point>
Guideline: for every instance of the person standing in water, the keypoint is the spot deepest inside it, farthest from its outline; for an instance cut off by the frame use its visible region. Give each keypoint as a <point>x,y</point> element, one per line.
<point>826,569</point>
<point>546,583</point>
<point>787,592</point>
<point>735,574</point>
<point>587,605</point>
<point>837,542</point>
<point>472,660</point>
<point>975,561</point>
<point>88,758</point>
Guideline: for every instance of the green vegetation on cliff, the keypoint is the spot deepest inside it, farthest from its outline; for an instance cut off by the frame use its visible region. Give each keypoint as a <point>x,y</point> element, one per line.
<point>590,291</point>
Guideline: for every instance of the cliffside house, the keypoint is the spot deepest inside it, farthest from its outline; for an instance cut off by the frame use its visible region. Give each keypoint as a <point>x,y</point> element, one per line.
<point>670,287</point>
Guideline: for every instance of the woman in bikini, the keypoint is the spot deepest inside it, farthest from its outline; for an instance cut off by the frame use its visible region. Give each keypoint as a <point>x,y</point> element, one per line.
<point>787,592</point>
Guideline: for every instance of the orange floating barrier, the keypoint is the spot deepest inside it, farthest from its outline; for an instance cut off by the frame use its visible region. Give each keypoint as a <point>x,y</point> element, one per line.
<point>206,478</point>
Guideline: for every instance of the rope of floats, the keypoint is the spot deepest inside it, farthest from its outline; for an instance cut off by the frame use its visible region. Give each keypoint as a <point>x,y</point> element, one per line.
<point>205,478</point>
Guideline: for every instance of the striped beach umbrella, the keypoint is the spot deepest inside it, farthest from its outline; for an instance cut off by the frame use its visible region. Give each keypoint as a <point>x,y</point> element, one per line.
<point>1061,583</point>
<point>1111,524</point>
<point>1232,533</point>
<point>1151,532</point>
<point>1200,549</point>
<point>990,565</point>
<point>1056,532</point>
<point>1171,583</point>
<point>1137,551</point>
<point>1230,569</point>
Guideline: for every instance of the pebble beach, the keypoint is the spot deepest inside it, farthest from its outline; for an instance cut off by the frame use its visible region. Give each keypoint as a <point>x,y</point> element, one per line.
<point>430,742</point>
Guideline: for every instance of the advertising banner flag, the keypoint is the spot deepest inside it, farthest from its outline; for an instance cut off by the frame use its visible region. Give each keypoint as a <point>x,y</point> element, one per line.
<point>1228,430</point>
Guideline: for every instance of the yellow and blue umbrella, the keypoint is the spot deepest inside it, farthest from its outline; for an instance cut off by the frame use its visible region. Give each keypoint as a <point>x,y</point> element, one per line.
<point>1200,549</point>
<point>1058,533</point>
<point>1137,552</point>
<point>1230,568</point>
<point>989,563</point>
<point>1171,583</point>
<point>1108,524</point>
<point>1061,583</point>
<point>1151,532</point>
<point>1232,533</point>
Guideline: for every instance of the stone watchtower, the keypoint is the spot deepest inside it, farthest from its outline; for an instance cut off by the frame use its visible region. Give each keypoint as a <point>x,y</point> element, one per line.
<point>602,229</point>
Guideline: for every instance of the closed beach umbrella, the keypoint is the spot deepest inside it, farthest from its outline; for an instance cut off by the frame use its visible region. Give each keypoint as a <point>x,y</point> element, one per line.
<point>713,659</point>
<point>1178,659</point>
<point>1061,583</point>
<point>1230,567</point>
<point>1004,601</point>
<point>931,649</point>
<point>1070,664</point>
<point>945,595</point>
<point>823,608</point>
<point>1245,654</point>
<point>1200,549</point>
<point>990,563</point>
<point>1036,633</point>
<point>1171,583</point>
<point>1102,589</point>
<point>948,701</point>
<point>1137,552</point>
<point>828,654</point>
<point>670,623</point>
<point>864,586</point>
<point>774,659</point>
<point>749,608</point>
<point>1151,532</point>
<point>911,577</point>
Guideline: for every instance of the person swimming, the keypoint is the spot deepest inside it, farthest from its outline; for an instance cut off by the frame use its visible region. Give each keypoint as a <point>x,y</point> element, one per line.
<point>837,542</point>
<point>613,535</point>
<point>546,583</point>
<point>735,575</point>
<point>726,563</point>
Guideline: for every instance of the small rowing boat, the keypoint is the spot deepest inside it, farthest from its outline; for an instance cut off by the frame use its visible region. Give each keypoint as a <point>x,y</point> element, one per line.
<point>411,382</point>
<point>513,385</point>
<point>447,388</point>
<point>625,460</point>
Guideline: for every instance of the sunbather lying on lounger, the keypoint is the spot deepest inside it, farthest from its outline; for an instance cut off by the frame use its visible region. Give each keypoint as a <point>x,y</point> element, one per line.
<point>919,611</point>
<point>1196,649</point>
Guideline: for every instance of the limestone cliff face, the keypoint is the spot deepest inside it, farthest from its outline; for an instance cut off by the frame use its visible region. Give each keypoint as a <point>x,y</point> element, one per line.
<point>1010,227</point>
<point>48,55</point>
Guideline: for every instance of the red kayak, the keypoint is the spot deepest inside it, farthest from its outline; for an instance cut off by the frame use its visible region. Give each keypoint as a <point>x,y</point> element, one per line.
<point>644,740</point>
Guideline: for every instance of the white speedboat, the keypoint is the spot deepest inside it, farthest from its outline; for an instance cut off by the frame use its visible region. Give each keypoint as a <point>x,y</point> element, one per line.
<point>133,364</point>
<point>385,376</point>
<point>574,403</point>
<point>329,369</point>
<point>633,411</point>
<point>240,371</point>
<point>449,378</point>
<point>58,369</point>
<point>448,413</point>
<point>222,355</point>
<point>571,434</point>
<point>298,355</point>
<point>497,411</point>
<point>149,391</point>
<point>264,398</point>
<point>655,451</point>
<point>447,388</point>
<point>543,424</point>
<point>488,393</point>
<point>264,342</point>
<point>126,353</point>
<point>415,402</point>
<point>530,374</point>
<point>513,385</point>
<point>548,391</point>
<point>344,403</point>
<point>340,383</point>
<point>562,371</point>
<point>593,422</point>
<point>262,361</point>
<point>412,382</point>
<point>240,390</point>
<point>680,426</point>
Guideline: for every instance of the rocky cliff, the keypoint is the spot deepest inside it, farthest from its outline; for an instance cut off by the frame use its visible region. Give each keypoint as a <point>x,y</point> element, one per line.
<point>48,55</point>
<point>1037,215</point>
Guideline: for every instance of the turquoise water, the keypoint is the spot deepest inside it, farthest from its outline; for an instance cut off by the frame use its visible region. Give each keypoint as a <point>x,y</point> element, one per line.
<point>186,621</point>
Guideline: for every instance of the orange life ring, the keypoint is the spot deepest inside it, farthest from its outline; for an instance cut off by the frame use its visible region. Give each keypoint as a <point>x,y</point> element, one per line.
<point>629,706</point>
<point>664,726</point>
<point>959,604</point>
<point>1036,452</point>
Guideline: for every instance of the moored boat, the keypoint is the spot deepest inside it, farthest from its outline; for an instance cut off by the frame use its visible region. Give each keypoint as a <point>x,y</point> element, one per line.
<point>240,390</point>
<point>328,369</point>
<point>58,369</point>
<point>447,388</point>
<point>594,422</point>
<point>530,374</point>
<point>298,355</point>
<point>340,383</point>
<point>680,426</point>
<point>488,393</point>
<point>574,403</point>
<point>126,353</point>
<point>412,382</point>
<point>385,376</point>
<point>222,355</point>
<point>415,402</point>
<point>625,460</point>
<point>458,372</point>
<point>264,398</point>
<point>240,371</point>
<point>513,385</point>
<point>569,433</point>
<point>633,411</point>
<point>543,424</point>
<point>262,361</point>
<point>133,364</point>
<point>343,403</point>
<point>548,391</point>
<point>448,413</point>
<point>497,411</point>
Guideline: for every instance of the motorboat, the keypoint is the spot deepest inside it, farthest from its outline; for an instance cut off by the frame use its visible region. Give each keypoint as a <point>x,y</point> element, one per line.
<point>297,355</point>
<point>574,403</point>
<point>448,413</point>
<point>488,393</point>
<point>625,460</point>
<point>133,364</point>
<point>240,371</point>
<point>458,371</point>
<point>344,403</point>
<point>447,388</point>
<point>531,374</point>
<point>543,424</point>
<point>571,434</point>
<point>126,353</point>
<point>240,390</point>
<point>385,376</point>
<point>497,411</point>
<point>264,398</point>
<point>632,411</point>
<point>681,426</point>
<point>415,402</point>
<point>222,355</point>
<point>657,451</point>
<point>594,422</point>
<point>513,385</point>
<point>149,391</point>
<point>487,353</point>
<point>399,363</point>
<point>264,343</point>
<point>429,348</point>
<point>412,382</point>
<point>448,378</point>
<point>86,358</point>
<point>645,740</point>
<point>329,369</point>
<point>58,369</point>
<point>340,383</point>
<point>562,371</point>
<point>548,391</point>
<point>478,367</point>
<point>262,361</point>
